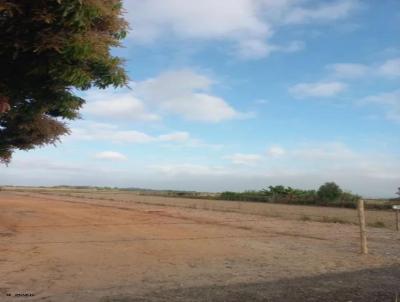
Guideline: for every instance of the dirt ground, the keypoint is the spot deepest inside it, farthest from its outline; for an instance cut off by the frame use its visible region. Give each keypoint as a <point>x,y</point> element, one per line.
<point>64,248</point>
<point>381,218</point>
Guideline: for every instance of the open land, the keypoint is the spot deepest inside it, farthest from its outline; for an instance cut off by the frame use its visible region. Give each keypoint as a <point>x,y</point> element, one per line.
<point>120,247</point>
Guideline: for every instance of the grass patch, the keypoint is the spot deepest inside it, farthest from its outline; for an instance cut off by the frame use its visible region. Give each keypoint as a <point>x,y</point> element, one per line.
<point>305,218</point>
<point>333,220</point>
<point>377,224</point>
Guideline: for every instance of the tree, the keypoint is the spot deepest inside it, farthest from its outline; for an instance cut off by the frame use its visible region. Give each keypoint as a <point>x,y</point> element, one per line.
<point>398,191</point>
<point>49,50</point>
<point>329,191</point>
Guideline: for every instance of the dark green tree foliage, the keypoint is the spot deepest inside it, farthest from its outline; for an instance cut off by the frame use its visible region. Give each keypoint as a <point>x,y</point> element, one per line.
<point>49,49</point>
<point>329,191</point>
<point>328,194</point>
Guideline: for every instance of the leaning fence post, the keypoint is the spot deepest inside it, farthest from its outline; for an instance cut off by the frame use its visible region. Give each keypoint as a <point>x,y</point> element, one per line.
<point>363,231</point>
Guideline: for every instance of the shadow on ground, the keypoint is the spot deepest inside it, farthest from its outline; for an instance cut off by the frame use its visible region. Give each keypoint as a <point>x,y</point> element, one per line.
<point>372,285</point>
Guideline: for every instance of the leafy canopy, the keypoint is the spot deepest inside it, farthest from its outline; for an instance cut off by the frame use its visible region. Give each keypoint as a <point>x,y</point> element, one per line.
<point>49,49</point>
<point>329,191</point>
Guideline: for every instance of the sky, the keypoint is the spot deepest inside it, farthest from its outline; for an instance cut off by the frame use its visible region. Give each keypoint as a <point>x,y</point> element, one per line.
<point>239,95</point>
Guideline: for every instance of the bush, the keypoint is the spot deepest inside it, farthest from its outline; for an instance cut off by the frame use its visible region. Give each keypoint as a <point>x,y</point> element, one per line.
<point>245,196</point>
<point>329,192</point>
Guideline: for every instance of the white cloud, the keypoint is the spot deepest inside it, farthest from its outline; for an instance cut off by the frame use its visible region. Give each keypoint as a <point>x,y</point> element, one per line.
<point>110,155</point>
<point>254,49</point>
<point>91,131</point>
<point>203,107</point>
<point>337,161</point>
<point>390,68</point>
<point>276,151</point>
<point>185,93</point>
<point>321,151</point>
<point>323,13</point>
<point>318,152</point>
<point>329,152</point>
<point>248,24</point>
<point>293,46</point>
<point>261,102</point>
<point>175,137</point>
<point>94,131</point>
<point>225,18</point>
<point>349,70</point>
<point>317,89</point>
<point>244,159</point>
<point>305,166</point>
<point>309,165</point>
<point>116,105</point>
<point>389,101</point>
<point>187,169</point>
<point>387,98</point>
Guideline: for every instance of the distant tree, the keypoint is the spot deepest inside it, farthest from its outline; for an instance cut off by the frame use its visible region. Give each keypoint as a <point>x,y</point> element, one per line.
<point>329,191</point>
<point>278,190</point>
<point>49,49</point>
<point>398,191</point>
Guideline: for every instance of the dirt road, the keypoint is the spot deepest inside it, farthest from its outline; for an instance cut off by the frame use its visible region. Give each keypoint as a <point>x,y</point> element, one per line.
<point>61,249</point>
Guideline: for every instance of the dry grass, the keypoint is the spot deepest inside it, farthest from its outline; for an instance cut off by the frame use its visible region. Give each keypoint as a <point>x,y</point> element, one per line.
<point>375,218</point>
<point>66,249</point>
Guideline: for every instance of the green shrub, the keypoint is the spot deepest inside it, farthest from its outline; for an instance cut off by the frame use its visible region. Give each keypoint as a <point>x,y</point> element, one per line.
<point>329,192</point>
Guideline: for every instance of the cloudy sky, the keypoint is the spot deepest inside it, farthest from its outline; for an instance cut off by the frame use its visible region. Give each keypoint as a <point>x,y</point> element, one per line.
<point>235,95</point>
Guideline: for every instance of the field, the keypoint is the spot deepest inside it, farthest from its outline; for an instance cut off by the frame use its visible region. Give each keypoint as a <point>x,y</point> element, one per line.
<point>375,218</point>
<point>61,246</point>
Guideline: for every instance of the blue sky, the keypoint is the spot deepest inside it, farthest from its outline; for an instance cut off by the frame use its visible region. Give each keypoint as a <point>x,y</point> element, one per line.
<point>236,95</point>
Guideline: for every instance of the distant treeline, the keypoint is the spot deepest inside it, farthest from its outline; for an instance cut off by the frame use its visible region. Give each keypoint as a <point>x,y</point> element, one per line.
<point>81,187</point>
<point>105,188</point>
<point>329,194</point>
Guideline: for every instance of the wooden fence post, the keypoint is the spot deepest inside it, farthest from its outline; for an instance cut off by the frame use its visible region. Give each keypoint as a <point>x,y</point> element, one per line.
<point>396,209</point>
<point>363,231</point>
